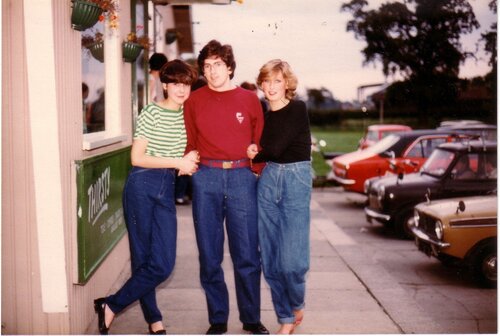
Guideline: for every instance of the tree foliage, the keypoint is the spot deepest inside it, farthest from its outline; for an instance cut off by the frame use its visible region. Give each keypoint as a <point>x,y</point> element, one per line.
<point>420,41</point>
<point>417,38</point>
<point>490,38</point>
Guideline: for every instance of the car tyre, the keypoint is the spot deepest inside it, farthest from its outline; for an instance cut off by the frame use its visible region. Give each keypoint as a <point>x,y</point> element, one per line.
<point>484,265</point>
<point>402,225</point>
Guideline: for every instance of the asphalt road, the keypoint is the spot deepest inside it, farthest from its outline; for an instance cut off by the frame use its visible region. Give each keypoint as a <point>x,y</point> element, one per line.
<point>381,260</point>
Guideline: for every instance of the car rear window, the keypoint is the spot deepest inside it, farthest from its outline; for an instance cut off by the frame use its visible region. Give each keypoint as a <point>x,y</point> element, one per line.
<point>384,144</point>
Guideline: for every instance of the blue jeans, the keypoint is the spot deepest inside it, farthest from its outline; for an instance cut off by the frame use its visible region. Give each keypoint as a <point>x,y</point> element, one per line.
<point>284,195</point>
<point>150,215</point>
<point>230,195</point>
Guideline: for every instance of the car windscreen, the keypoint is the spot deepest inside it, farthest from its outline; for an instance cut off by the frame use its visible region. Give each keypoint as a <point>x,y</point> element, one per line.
<point>438,162</point>
<point>384,144</point>
<point>372,136</point>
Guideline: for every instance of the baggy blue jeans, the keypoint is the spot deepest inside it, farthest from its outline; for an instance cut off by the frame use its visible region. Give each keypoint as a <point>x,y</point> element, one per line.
<point>284,195</point>
<point>227,195</point>
<point>150,215</point>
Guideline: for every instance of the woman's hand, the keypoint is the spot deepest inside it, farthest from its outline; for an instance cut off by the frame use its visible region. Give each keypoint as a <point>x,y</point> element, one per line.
<point>252,151</point>
<point>189,163</point>
<point>187,166</point>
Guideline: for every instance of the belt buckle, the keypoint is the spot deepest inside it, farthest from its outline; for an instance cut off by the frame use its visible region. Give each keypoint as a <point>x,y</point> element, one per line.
<point>227,164</point>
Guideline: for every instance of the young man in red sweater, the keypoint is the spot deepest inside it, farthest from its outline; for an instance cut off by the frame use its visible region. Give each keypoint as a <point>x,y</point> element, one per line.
<point>222,120</point>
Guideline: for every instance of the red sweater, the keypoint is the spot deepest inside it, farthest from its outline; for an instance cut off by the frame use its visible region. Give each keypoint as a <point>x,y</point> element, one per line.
<point>221,125</point>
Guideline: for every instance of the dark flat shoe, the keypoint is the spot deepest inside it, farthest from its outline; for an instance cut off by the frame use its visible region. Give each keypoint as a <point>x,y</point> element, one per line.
<point>157,332</point>
<point>217,329</point>
<point>255,328</point>
<point>99,305</point>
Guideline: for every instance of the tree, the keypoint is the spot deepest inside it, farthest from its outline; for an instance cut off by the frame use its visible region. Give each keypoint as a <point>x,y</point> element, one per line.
<point>322,99</point>
<point>417,39</point>
<point>490,38</point>
<point>490,46</point>
<point>316,97</point>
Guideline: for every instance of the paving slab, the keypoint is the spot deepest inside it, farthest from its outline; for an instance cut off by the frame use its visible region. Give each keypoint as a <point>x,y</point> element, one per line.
<point>337,301</point>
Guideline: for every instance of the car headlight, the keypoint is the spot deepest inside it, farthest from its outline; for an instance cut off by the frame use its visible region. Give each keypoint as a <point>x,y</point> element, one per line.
<point>416,218</point>
<point>381,193</point>
<point>366,186</point>
<point>438,228</point>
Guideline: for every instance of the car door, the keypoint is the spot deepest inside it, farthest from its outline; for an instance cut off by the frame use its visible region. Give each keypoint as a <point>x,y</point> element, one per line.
<point>471,181</point>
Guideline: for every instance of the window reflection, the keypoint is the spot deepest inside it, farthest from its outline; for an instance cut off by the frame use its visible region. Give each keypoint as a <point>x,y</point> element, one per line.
<point>140,28</point>
<point>93,92</point>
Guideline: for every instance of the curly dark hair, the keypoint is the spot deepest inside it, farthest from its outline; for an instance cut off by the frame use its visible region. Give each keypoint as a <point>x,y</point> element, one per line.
<point>215,49</point>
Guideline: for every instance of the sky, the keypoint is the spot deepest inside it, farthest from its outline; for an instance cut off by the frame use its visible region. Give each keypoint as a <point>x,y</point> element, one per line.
<point>311,36</point>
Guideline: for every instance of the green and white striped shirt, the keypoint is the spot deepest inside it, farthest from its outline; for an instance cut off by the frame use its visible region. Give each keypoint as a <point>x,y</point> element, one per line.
<point>164,129</point>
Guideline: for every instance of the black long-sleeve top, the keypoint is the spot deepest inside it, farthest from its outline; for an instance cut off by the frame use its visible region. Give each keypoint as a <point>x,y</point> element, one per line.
<point>286,137</point>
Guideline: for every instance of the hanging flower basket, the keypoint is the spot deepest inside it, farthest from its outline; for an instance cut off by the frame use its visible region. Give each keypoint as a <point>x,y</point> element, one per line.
<point>130,51</point>
<point>97,50</point>
<point>85,14</point>
<point>95,44</point>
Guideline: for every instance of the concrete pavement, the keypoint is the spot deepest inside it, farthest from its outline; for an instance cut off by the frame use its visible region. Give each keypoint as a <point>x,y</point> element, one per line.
<point>346,292</point>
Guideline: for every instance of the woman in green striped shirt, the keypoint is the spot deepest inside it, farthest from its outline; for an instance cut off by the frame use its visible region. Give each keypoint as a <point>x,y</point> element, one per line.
<point>148,198</point>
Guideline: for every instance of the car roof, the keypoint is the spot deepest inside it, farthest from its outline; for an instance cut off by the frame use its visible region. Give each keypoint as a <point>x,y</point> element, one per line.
<point>473,145</point>
<point>408,137</point>
<point>469,127</point>
<point>387,127</point>
<point>449,123</point>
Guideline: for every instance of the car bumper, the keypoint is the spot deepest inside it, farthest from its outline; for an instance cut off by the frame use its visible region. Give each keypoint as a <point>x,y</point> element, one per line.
<point>421,236</point>
<point>343,181</point>
<point>371,214</point>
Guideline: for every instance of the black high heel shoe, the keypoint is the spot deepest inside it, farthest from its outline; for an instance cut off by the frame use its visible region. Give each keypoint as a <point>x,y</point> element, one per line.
<point>157,332</point>
<point>99,306</point>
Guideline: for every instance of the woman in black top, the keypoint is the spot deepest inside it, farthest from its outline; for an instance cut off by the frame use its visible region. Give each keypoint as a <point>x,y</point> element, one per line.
<point>284,193</point>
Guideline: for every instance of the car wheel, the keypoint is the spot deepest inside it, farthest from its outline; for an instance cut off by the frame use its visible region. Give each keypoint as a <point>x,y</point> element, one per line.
<point>402,225</point>
<point>484,266</point>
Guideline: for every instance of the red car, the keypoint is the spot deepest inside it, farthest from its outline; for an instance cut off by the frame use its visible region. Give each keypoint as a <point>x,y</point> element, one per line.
<point>397,153</point>
<point>374,133</point>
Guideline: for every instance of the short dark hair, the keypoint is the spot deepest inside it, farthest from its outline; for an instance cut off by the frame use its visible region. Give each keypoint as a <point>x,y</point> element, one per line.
<point>215,49</point>
<point>178,71</point>
<point>249,86</point>
<point>157,60</point>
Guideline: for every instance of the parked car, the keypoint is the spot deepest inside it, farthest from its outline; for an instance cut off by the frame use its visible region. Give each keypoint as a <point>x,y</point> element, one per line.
<point>485,131</point>
<point>461,122</point>
<point>396,153</point>
<point>462,231</point>
<point>375,133</point>
<point>453,170</point>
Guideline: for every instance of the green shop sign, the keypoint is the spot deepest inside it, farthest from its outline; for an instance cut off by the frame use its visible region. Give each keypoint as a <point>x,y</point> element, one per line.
<point>101,224</point>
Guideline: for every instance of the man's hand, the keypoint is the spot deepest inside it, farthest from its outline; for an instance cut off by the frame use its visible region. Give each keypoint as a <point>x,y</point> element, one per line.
<point>252,151</point>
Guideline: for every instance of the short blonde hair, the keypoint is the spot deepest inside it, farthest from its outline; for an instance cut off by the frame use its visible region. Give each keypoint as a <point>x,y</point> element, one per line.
<point>275,66</point>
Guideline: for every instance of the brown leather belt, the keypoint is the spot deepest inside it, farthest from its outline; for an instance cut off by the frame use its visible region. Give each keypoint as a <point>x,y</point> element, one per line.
<point>225,164</point>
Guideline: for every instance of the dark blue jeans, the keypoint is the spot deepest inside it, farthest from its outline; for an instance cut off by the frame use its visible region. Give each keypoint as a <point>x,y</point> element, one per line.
<point>150,215</point>
<point>227,195</point>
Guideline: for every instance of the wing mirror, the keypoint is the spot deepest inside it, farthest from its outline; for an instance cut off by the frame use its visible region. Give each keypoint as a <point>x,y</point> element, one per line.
<point>460,207</point>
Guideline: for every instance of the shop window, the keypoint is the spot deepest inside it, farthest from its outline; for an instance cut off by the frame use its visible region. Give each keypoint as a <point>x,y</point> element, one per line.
<point>101,87</point>
<point>140,69</point>
<point>93,80</point>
